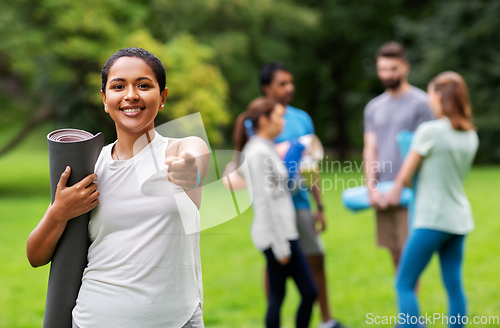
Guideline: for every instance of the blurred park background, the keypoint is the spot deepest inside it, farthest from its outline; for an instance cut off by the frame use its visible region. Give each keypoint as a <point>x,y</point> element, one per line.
<point>51,54</point>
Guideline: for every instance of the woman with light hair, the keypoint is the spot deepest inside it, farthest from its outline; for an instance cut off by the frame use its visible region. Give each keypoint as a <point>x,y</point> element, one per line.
<point>444,149</point>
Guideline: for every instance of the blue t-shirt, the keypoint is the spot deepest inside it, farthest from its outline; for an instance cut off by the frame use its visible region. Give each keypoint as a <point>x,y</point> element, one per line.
<point>297,124</point>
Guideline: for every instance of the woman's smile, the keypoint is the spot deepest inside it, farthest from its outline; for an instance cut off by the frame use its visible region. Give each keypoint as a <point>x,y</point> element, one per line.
<point>132,111</point>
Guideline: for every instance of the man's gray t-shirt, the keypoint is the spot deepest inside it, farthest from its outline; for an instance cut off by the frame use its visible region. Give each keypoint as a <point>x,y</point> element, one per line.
<point>386,117</point>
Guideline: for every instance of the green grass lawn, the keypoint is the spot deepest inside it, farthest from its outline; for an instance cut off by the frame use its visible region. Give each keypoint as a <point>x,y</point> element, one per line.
<point>360,275</point>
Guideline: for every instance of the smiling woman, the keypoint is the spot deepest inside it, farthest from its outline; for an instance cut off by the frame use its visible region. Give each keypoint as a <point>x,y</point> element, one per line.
<point>143,269</point>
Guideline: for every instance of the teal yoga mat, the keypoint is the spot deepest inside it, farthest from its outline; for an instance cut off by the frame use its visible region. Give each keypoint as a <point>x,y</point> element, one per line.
<point>80,150</point>
<point>404,140</point>
<point>356,199</point>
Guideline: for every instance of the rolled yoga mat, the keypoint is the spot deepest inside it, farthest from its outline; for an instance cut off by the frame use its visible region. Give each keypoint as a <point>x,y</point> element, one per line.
<point>404,140</point>
<point>79,150</point>
<point>356,199</point>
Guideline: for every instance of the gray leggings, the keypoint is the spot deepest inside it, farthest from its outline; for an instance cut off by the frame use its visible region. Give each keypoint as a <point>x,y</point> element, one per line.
<point>196,320</point>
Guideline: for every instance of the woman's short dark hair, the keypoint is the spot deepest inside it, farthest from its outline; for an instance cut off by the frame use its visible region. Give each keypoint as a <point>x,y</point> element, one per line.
<point>267,72</point>
<point>149,58</point>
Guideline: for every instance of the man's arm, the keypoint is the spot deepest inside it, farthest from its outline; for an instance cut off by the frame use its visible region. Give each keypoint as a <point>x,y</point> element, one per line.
<point>370,164</point>
<point>316,191</point>
<point>319,216</point>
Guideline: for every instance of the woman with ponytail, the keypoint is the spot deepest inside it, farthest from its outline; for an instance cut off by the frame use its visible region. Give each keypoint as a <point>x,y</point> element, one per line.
<point>444,149</point>
<point>274,229</point>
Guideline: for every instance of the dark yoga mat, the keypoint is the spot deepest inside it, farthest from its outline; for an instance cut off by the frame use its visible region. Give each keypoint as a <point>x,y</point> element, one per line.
<point>80,150</point>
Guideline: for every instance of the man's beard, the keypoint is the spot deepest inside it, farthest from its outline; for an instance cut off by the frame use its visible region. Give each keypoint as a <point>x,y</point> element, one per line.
<point>392,84</point>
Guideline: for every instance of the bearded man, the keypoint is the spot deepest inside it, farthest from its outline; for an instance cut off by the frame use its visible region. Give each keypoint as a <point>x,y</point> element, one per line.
<point>401,107</point>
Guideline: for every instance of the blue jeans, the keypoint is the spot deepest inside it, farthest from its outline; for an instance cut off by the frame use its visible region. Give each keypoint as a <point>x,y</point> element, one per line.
<point>417,253</point>
<point>298,269</point>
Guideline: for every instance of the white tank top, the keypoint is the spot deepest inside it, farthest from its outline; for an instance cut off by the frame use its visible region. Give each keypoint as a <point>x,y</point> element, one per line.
<point>143,269</point>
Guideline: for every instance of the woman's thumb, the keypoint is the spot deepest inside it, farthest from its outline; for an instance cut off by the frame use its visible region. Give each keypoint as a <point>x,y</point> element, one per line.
<point>188,157</point>
<point>64,178</point>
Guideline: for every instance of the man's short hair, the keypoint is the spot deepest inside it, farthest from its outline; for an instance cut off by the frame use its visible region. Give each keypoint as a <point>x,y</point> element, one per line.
<point>392,50</point>
<point>267,72</point>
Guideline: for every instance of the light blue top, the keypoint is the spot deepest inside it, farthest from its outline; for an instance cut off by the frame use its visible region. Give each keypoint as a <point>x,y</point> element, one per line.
<point>297,124</point>
<point>441,202</point>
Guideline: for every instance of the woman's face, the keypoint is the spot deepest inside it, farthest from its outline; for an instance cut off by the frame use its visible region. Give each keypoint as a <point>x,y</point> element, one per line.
<point>435,101</point>
<point>133,97</point>
<point>276,120</point>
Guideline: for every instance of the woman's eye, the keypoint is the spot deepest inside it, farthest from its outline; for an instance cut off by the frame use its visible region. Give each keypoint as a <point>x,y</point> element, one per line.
<point>143,86</point>
<point>117,87</point>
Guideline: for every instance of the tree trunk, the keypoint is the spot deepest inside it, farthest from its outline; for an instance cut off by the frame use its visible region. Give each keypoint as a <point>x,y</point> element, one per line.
<point>41,115</point>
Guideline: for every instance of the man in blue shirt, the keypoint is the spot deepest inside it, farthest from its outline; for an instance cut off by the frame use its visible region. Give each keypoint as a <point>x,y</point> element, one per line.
<point>276,82</point>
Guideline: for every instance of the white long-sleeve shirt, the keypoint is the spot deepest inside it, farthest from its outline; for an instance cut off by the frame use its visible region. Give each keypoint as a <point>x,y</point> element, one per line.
<point>274,222</point>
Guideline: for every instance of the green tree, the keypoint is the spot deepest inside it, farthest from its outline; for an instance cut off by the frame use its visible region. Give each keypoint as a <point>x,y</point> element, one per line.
<point>328,45</point>
<point>244,35</point>
<point>53,51</point>
<point>462,36</point>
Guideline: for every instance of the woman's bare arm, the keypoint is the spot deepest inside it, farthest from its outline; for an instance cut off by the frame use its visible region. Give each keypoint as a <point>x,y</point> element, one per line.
<point>69,203</point>
<point>404,177</point>
<point>43,239</point>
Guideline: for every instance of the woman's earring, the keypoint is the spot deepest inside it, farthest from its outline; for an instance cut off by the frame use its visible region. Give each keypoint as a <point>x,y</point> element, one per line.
<point>162,106</point>
<point>106,109</point>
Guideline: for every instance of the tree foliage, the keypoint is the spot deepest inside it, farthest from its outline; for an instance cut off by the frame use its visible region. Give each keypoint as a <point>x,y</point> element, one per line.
<point>52,51</point>
<point>462,36</point>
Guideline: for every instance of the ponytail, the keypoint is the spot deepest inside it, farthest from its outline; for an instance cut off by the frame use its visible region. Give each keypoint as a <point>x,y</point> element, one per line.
<point>257,108</point>
<point>240,137</point>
